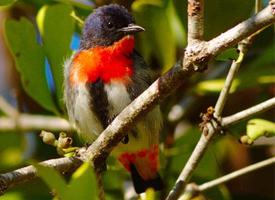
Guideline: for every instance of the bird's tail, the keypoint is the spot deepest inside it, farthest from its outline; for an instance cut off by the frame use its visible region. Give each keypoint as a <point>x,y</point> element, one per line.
<point>143,166</point>
<point>140,184</point>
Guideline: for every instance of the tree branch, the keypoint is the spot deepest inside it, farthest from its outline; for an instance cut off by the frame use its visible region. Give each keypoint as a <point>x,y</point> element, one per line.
<point>212,127</point>
<point>192,189</point>
<point>8,109</point>
<point>195,20</point>
<point>24,174</point>
<point>237,173</point>
<point>166,84</point>
<point>27,122</point>
<point>235,118</point>
<point>227,85</point>
<point>241,31</point>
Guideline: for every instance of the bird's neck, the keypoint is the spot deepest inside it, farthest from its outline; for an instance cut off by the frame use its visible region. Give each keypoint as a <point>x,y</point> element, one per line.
<point>104,62</point>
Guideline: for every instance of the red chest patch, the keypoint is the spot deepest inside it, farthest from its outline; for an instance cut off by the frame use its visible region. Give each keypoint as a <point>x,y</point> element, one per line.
<point>106,63</point>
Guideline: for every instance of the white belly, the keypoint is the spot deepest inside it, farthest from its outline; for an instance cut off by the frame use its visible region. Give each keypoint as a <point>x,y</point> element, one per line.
<point>88,124</point>
<point>118,97</point>
<point>90,127</point>
<point>86,121</point>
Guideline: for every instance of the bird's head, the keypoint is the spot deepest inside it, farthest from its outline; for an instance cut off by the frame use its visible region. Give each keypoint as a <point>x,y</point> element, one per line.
<point>106,25</point>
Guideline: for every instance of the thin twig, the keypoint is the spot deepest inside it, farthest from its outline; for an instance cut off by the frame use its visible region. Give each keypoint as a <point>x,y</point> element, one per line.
<point>236,174</point>
<point>205,140</point>
<point>207,133</point>
<point>197,54</point>
<point>28,122</point>
<point>227,85</point>
<point>192,189</point>
<point>99,181</point>
<point>235,118</point>
<point>7,108</point>
<point>195,20</point>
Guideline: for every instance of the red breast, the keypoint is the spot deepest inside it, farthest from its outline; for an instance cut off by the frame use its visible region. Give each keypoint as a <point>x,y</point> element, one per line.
<point>106,63</point>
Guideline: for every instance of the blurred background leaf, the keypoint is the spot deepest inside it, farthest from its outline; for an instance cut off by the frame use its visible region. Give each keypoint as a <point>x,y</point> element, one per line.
<point>6,2</point>
<point>30,61</point>
<point>56,27</point>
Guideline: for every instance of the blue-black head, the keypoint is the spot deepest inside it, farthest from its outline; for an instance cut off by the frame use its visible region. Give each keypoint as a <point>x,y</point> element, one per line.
<point>106,25</point>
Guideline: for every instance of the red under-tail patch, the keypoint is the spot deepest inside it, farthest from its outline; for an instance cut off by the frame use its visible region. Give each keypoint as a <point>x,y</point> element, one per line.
<point>145,161</point>
<point>106,63</point>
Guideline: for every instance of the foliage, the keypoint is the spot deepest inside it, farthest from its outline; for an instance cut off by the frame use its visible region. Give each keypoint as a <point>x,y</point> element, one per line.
<point>29,58</point>
<point>81,186</point>
<point>258,128</point>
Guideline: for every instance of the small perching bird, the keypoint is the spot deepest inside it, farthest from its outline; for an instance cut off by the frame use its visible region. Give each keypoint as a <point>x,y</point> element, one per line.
<point>101,79</point>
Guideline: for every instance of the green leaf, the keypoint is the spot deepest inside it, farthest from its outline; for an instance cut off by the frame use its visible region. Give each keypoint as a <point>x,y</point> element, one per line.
<point>83,183</point>
<point>54,180</point>
<point>7,2</point>
<point>56,27</point>
<point>13,196</point>
<point>84,4</point>
<point>258,128</point>
<point>177,27</point>
<point>150,194</point>
<point>30,61</point>
<point>158,40</point>
<point>138,4</point>
<point>215,86</point>
<point>228,54</point>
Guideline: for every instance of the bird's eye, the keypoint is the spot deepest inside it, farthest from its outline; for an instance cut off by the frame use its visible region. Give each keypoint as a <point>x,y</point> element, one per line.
<point>110,25</point>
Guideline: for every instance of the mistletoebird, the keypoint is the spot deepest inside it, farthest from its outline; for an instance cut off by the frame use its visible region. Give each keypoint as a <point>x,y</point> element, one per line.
<point>101,79</point>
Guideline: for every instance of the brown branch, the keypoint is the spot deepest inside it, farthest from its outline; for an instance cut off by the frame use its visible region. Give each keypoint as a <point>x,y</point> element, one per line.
<point>165,85</point>
<point>195,59</point>
<point>195,20</point>
<point>24,174</point>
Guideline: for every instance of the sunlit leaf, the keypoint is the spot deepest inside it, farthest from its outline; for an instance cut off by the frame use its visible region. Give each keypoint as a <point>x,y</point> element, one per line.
<point>258,128</point>
<point>138,4</point>
<point>83,183</point>
<point>215,86</point>
<point>30,59</point>
<point>54,180</point>
<point>150,194</point>
<point>266,79</point>
<point>13,196</point>
<point>56,27</point>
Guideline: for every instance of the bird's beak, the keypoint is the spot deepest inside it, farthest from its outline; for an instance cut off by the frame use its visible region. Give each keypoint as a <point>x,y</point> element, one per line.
<point>131,28</point>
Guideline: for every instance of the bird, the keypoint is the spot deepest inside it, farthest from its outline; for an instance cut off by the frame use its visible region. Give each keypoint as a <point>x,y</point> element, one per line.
<point>101,78</point>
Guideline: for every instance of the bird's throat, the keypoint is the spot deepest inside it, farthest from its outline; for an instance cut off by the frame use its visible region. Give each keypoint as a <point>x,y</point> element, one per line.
<point>105,63</point>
